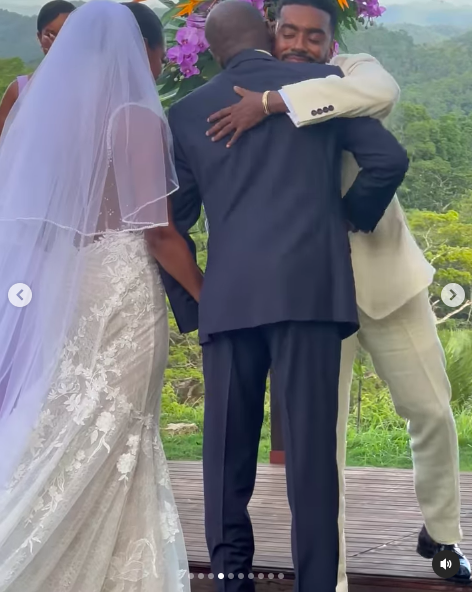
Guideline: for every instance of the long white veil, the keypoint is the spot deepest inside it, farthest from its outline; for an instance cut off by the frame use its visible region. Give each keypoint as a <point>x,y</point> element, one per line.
<point>86,150</point>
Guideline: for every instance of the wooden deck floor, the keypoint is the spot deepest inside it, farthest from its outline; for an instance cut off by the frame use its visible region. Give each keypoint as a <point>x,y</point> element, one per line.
<point>382,525</point>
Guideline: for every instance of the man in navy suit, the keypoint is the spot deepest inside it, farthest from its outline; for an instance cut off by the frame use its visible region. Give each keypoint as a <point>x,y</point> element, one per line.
<point>278,292</point>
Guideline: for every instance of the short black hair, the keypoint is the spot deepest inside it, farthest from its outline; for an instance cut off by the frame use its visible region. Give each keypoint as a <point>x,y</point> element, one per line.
<point>329,6</point>
<point>149,23</point>
<point>50,11</point>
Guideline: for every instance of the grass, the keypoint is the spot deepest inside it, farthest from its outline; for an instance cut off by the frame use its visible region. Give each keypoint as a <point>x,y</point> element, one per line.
<point>380,440</point>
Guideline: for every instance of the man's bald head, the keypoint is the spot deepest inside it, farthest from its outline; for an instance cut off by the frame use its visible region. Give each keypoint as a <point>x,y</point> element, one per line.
<point>233,26</point>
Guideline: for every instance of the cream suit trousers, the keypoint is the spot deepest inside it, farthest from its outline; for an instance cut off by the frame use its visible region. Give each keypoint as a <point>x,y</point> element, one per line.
<point>408,356</point>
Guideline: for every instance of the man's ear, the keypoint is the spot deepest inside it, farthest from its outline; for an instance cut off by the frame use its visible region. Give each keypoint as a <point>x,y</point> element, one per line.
<point>271,28</point>
<point>216,58</point>
<point>332,50</point>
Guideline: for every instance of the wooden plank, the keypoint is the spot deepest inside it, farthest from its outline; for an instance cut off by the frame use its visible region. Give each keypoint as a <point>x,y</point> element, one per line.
<point>277,454</point>
<point>382,525</point>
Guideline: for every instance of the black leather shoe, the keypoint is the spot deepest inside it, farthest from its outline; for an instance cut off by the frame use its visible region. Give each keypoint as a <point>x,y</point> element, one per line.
<point>428,548</point>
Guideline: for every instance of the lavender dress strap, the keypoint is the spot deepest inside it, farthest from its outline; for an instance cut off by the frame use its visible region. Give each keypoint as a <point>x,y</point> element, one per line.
<point>22,82</point>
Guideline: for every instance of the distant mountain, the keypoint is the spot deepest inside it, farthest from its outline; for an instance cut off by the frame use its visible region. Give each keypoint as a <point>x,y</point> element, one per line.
<point>18,34</point>
<point>437,76</point>
<point>427,35</point>
<point>434,12</point>
<point>26,10</point>
<point>18,37</point>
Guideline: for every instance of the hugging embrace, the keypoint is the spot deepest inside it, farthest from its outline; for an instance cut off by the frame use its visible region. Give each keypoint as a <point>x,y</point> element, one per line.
<point>99,229</point>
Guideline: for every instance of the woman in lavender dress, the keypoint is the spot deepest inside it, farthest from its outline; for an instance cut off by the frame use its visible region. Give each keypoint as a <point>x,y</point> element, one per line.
<point>51,18</point>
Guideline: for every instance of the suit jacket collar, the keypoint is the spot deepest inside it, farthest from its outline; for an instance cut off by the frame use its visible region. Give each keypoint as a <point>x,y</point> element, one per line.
<point>248,55</point>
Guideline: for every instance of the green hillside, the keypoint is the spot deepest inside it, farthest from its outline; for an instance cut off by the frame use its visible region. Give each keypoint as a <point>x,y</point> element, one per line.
<point>427,35</point>
<point>438,76</point>
<point>434,122</point>
<point>431,13</point>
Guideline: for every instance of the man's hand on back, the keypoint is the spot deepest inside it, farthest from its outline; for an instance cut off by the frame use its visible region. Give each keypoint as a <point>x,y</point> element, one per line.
<point>244,115</point>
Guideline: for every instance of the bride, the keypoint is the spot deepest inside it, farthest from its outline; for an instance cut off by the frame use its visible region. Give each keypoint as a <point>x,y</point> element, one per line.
<point>85,168</point>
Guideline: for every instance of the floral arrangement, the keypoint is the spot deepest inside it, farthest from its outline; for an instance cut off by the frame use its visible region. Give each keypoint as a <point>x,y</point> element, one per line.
<point>190,64</point>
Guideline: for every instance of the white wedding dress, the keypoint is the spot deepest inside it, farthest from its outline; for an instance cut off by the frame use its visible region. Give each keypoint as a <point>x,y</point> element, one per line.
<point>90,508</point>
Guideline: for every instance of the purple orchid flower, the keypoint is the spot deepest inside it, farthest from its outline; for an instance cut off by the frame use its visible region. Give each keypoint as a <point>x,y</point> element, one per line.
<point>180,54</point>
<point>188,69</point>
<point>369,9</point>
<point>202,44</point>
<point>187,36</point>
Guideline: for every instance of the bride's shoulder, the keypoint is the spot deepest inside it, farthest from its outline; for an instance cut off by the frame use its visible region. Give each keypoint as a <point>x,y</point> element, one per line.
<point>129,116</point>
<point>130,109</point>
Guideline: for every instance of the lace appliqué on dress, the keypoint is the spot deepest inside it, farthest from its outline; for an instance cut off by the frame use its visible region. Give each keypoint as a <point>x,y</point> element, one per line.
<point>94,415</point>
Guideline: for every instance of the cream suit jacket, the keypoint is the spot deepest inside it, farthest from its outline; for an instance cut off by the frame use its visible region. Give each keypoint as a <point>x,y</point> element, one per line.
<point>389,267</point>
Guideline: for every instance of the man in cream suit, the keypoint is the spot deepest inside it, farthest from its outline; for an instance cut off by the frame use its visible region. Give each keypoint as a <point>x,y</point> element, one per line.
<point>392,276</point>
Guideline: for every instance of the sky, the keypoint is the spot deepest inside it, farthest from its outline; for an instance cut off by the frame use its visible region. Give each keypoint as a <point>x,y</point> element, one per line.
<point>387,3</point>
<point>455,2</point>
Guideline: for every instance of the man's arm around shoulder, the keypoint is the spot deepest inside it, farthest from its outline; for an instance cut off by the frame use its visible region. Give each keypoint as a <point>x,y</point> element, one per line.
<point>366,89</point>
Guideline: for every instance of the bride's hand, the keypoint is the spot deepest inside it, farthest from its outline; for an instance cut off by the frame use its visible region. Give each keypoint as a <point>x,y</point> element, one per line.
<point>172,253</point>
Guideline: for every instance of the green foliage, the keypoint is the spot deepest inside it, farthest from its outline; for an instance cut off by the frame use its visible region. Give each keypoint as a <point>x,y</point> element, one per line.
<point>9,70</point>
<point>446,240</point>
<point>434,122</point>
<point>184,370</point>
<point>458,350</point>
<point>440,152</point>
<point>381,441</point>
<point>427,35</point>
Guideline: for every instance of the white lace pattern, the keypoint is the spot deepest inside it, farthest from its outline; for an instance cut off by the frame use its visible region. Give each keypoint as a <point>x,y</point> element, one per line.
<point>90,508</point>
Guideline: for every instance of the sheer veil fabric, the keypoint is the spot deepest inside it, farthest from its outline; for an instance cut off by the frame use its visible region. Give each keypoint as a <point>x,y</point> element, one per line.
<point>86,150</point>
<point>86,163</point>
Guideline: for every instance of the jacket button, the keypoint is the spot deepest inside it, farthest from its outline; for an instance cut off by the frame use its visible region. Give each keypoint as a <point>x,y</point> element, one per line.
<point>331,108</point>
<point>325,110</point>
<point>320,111</point>
<point>314,112</point>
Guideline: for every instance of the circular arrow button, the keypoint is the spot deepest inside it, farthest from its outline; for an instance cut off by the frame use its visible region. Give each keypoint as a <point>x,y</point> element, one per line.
<point>20,295</point>
<point>453,295</point>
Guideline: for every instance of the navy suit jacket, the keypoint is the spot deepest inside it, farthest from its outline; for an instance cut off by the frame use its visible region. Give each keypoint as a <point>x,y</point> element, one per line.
<point>278,248</point>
